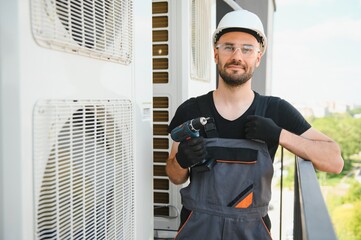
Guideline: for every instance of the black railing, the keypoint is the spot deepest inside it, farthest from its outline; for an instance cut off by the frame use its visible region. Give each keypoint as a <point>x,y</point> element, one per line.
<point>311,218</point>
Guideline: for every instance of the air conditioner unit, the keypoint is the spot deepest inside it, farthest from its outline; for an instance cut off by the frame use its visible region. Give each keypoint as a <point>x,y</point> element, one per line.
<point>75,119</point>
<point>182,33</point>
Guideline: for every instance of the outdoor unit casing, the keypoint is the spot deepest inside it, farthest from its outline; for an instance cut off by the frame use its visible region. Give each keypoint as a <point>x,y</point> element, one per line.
<point>182,68</point>
<point>75,120</point>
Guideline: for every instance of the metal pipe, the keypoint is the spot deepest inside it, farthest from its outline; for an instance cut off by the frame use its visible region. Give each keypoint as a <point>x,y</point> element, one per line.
<point>233,4</point>
<point>281,193</point>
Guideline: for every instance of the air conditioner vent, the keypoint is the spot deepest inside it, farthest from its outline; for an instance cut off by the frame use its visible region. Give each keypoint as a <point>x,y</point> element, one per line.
<point>84,170</point>
<point>201,40</point>
<point>95,28</point>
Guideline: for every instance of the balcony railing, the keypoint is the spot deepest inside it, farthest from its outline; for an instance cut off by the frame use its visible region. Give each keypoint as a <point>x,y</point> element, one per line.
<point>311,218</point>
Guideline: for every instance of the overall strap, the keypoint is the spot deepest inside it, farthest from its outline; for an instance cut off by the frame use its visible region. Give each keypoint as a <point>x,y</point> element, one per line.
<point>262,105</point>
<point>210,127</point>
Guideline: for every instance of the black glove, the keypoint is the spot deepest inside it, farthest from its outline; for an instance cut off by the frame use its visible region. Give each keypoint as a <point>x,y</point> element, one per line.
<point>190,152</point>
<point>262,128</point>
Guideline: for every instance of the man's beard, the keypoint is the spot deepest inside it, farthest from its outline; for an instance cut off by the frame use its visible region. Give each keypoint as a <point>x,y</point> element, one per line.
<point>234,79</point>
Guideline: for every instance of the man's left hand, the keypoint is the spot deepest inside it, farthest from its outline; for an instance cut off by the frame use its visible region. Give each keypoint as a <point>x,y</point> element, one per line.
<point>262,128</point>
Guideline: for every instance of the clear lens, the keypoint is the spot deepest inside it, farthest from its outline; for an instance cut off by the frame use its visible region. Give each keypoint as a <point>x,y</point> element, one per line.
<point>247,50</point>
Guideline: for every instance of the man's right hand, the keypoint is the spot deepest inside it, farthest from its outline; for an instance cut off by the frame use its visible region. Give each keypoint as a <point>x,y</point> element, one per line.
<point>190,152</point>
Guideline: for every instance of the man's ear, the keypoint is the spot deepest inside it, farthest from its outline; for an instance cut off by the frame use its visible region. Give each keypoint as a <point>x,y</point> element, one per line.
<point>215,55</point>
<point>258,60</point>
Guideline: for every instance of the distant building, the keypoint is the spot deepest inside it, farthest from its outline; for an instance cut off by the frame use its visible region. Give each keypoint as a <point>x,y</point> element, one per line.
<point>311,111</point>
<point>325,109</point>
<point>337,107</point>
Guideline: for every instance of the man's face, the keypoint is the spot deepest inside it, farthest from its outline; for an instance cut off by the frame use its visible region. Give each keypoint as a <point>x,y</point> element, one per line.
<point>237,55</point>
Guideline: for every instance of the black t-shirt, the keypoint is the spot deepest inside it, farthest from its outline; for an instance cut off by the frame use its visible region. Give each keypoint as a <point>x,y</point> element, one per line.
<point>279,110</point>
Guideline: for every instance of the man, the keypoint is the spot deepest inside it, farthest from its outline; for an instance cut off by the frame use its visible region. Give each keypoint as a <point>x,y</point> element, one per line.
<point>230,199</point>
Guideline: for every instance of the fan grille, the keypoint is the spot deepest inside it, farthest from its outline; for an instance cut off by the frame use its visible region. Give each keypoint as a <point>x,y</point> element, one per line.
<point>95,28</point>
<point>83,170</point>
<point>201,39</point>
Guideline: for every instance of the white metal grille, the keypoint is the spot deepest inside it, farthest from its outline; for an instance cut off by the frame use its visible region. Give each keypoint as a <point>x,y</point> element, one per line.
<point>201,39</point>
<point>84,170</point>
<point>95,28</point>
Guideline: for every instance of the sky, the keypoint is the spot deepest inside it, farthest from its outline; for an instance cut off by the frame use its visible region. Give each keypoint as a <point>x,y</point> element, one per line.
<point>317,51</point>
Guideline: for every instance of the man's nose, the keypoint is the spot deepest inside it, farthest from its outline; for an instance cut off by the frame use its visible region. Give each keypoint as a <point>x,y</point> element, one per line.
<point>237,53</point>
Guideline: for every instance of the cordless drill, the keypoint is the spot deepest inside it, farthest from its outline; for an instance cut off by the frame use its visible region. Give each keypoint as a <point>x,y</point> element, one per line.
<point>190,129</point>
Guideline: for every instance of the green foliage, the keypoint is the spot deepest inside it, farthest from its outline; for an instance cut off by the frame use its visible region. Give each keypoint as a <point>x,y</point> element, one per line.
<point>354,193</point>
<point>344,222</point>
<point>331,179</point>
<point>355,111</point>
<point>355,225</point>
<point>344,207</point>
<point>346,213</point>
<point>341,223</point>
<point>344,129</point>
<point>288,167</point>
<point>344,204</point>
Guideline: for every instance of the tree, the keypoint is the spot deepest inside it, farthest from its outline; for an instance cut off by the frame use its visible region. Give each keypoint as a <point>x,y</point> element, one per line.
<point>344,129</point>
<point>346,214</point>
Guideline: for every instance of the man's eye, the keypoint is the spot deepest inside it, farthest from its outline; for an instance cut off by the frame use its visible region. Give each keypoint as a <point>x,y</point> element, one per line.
<point>228,48</point>
<point>246,50</point>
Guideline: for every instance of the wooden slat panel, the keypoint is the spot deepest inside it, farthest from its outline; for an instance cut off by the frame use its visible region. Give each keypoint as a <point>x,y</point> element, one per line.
<point>160,102</point>
<point>164,211</point>
<point>160,156</point>
<point>160,22</point>
<point>159,170</point>
<point>161,197</point>
<point>160,116</point>
<point>160,63</point>
<point>160,36</point>
<point>160,143</point>
<point>160,7</point>
<point>160,50</point>
<point>161,184</point>
<point>160,77</point>
<point>160,129</point>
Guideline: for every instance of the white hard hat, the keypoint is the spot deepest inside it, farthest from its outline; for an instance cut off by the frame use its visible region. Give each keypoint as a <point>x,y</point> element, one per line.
<point>244,21</point>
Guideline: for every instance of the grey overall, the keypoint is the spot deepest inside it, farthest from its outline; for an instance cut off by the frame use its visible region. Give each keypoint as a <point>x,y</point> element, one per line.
<point>229,201</point>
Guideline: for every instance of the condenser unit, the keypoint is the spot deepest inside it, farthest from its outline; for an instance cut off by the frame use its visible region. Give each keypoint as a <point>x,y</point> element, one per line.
<point>75,119</point>
<point>83,170</point>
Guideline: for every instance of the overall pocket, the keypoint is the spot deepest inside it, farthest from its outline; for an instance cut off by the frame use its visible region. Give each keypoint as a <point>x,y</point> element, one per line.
<point>244,199</point>
<point>249,230</point>
<point>230,182</point>
<point>201,226</point>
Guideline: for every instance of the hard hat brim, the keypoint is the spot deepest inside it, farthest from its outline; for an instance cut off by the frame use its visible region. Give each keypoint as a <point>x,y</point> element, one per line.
<point>218,35</point>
